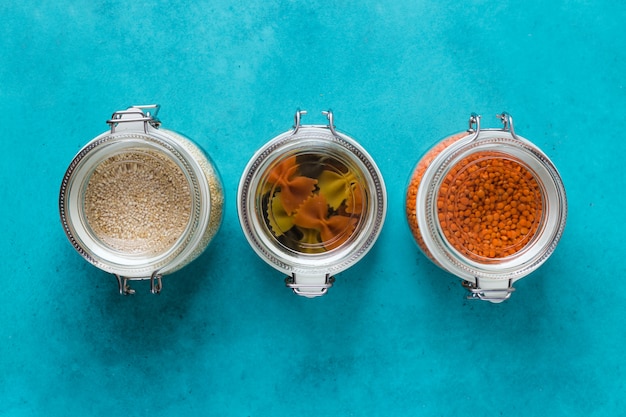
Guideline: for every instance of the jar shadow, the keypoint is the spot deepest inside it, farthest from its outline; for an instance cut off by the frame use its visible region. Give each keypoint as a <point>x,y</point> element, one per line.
<point>131,329</point>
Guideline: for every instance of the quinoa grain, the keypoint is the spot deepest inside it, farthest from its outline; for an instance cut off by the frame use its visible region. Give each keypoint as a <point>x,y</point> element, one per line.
<point>138,202</point>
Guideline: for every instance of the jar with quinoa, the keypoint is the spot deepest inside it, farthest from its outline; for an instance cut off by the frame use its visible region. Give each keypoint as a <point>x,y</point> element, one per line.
<point>487,206</point>
<point>311,203</point>
<point>140,201</point>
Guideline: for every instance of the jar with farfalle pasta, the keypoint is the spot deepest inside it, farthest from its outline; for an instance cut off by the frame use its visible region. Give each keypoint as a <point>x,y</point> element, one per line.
<point>311,203</point>
<point>488,206</point>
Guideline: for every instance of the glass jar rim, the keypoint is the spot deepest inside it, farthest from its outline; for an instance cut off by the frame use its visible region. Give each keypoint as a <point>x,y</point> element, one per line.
<point>311,139</point>
<point>73,190</point>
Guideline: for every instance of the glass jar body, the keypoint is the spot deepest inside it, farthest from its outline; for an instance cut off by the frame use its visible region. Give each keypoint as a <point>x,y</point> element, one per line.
<point>311,203</point>
<point>141,203</point>
<point>487,206</point>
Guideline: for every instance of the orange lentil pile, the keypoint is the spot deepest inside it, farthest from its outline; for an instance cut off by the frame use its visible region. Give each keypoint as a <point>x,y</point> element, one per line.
<point>416,179</point>
<point>488,205</point>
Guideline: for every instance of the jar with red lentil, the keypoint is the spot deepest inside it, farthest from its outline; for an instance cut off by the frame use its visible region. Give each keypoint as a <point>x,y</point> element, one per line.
<point>311,203</point>
<point>487,206</point>
<point>140,201</point>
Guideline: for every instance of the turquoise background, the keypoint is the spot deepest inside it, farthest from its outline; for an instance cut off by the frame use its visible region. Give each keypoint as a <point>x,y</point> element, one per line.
<point>395,335</point>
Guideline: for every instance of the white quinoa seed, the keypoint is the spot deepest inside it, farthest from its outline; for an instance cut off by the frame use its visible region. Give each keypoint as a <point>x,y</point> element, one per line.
<point>138,202</point>
<point>216,195</point>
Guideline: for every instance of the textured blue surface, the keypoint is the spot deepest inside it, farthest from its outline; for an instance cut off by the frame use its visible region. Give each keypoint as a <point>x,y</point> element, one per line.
<point>394,336</point>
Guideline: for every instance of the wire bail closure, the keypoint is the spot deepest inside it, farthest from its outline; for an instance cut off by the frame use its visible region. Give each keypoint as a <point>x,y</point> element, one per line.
<point>290,282</point>
<point>328,113</point>
<point>136,114</point>
<point>474,123</point>
<point>505,118</point>
<point>156,284</point>
<point>494,295</point>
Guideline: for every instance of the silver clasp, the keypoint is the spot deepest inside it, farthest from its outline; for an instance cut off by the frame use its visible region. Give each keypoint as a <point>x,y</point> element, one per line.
<point>297,288</point>
<point>493,295</point>
<point>505,118</point>
<point>297,117</point>
<point>122,283</point>
<point>328,113</point>
<point>155,284</point>
<point>331,123</point>
<point>474,123</point>
<point>136,114</point>
<point>507,121</point>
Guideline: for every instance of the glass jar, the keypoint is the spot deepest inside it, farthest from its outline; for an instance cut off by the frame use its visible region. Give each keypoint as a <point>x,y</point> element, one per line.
<point>140,201</point>
<point>311,203</point>
<point>487,206</point>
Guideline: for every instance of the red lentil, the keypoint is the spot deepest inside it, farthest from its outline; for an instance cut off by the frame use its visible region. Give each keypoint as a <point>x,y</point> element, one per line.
<point>488,205</point>
<point>416,178</point>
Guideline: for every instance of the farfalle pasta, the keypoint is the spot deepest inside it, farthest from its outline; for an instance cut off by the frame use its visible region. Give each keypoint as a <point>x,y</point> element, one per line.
<point>312,203</point>
<point>294,188</point>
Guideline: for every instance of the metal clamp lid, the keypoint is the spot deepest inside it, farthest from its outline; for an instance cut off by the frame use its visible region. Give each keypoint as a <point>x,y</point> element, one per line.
<point>328,113</point>
<point>505,118</point>
<point>136,114</point>
<point>309,290</point>
<point>495,295</point>
<point>156,284</point>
